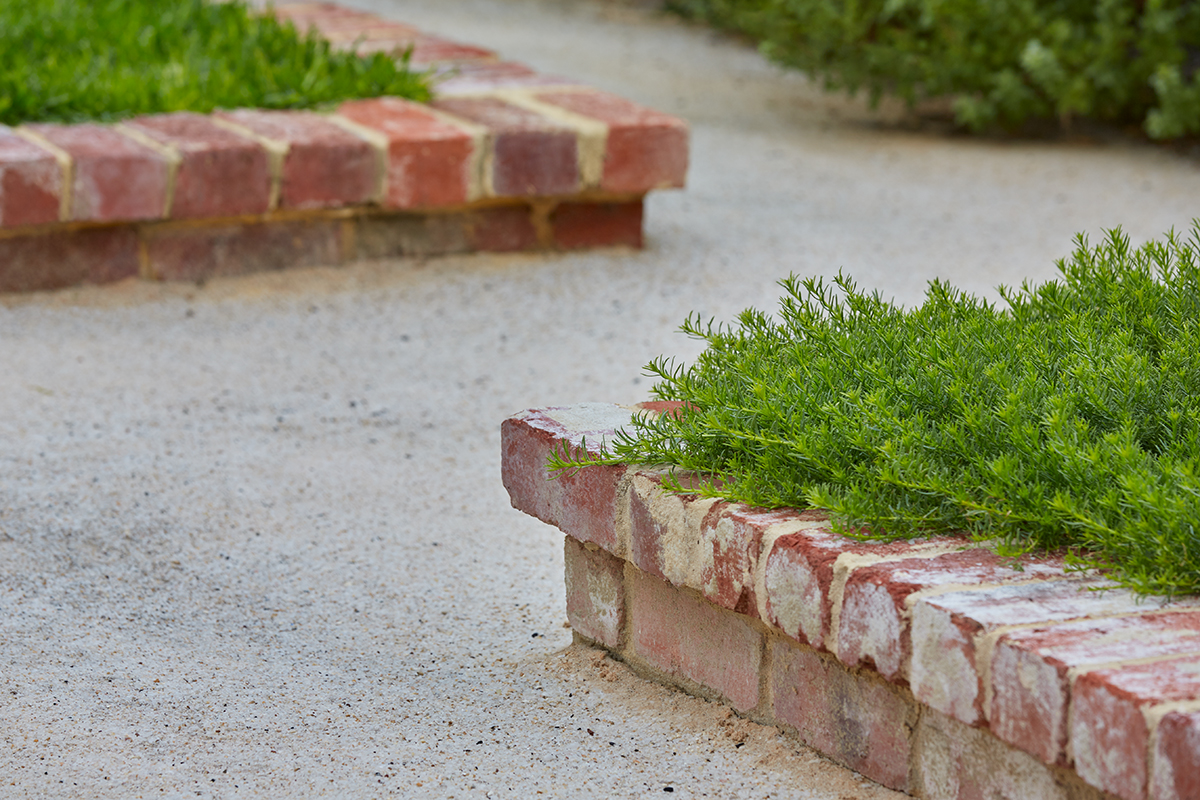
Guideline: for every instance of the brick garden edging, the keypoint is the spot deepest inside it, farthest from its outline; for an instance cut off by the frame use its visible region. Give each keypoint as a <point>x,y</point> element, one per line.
<point>933,667</point>
<point>504,159</point>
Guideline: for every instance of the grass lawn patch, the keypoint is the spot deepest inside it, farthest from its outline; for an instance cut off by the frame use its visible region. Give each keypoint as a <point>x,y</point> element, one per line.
<point>75,60</point>
<point>1067,417</point>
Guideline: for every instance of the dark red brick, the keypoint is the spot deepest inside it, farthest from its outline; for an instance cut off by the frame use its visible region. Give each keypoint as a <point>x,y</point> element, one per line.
<point>579,225</point>
<point>220,174</point>
<point>54,260</point>
<point>114,177</point>
<point>503,230</point>
<point>31,182</point>
<point>531,155</point>
<point>325,165</point>
<point>196,253</point>
<point>646,149</point>
<point>429,162</point>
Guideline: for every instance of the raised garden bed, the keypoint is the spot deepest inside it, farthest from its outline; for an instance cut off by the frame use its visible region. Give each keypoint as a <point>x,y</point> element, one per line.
<point>504,159</point>
<point>934,666</point>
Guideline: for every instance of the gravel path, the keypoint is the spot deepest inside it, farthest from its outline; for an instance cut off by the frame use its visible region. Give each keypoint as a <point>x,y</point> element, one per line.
<point>253,534</point>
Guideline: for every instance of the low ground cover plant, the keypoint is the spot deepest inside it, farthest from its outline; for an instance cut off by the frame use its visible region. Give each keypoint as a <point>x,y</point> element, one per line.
<point>1068,417</point>
<point>75,60</point>
<point>1003,62</point>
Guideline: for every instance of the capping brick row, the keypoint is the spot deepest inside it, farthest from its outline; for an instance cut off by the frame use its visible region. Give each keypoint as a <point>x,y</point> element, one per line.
<point>934,667</point>
<point>566,165</point>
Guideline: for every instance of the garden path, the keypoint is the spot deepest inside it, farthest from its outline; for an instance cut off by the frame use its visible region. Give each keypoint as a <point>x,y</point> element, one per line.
<point>253,533</point>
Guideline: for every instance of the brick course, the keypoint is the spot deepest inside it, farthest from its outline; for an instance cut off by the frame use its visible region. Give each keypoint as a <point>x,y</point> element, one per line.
<point>934,667</point>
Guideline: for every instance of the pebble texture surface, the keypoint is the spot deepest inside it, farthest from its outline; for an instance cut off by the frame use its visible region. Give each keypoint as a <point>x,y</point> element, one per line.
<point>253,533</point>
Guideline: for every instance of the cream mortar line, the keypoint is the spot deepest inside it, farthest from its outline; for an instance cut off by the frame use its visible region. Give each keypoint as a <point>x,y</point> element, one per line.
<point>622,526</point>
<point>169,152</point>
<point>277,150</point>
<point>66,166</point>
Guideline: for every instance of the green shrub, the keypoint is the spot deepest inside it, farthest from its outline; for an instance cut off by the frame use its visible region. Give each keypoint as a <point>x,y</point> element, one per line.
<point>1003,61</point>
<point>74,60</point>
<point>1068,419</point>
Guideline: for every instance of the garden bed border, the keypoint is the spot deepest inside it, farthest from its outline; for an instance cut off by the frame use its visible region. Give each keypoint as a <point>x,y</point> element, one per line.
<point>934,667</point>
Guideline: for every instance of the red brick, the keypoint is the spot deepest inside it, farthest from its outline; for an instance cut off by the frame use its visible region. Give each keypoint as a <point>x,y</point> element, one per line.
<point>1109,735</point>
<point>531,156</point>
<point>475,76</point>
<point>595,593</point>
<point>435,50</point>
<point>587,224</point>
<point>114,177</point>
<point>324,17</point>
<point>582,504</point>
<point>429,159</point>
<point>325,165</point>
<point>944,671</point>
<point>220,174</point>
<point>646,149</point>
<point>799,573</point>
<point>54,260</point>
<point>1029,670</point>
<point>855,719</point>
<point>1176,770</point>
<point>874,627</point>
<point>31,182</point>
<point>188,253</point>
<point>503,230</point>
<point>685,637</point>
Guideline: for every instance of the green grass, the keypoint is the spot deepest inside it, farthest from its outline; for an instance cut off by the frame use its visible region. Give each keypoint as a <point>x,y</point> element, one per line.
<point>1067,417</point>
<point>76,60</point>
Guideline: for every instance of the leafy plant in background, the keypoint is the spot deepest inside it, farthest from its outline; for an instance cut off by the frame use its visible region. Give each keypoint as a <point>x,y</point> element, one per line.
<point>1003,61</point>
<point>70,60</point>
<point>1069,419</point>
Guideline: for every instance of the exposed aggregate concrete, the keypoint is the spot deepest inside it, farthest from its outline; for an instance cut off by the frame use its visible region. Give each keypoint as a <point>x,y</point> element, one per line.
<point>253,536</point>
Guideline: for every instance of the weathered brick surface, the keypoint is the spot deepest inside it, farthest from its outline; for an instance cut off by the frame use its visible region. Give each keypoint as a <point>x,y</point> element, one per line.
<point>37,262</point>
<point>583,504</point>
<point>590,224</point>
<point>1110,737</point>
<point>220,173</point>
<point>645,149</point>
<point>325,166</point>
<point>945,672</point>
<point>857,720</point>
<point>686,637</point>
<point>531,156</point>
<point>193,253</point>
<point>873,626</point>
<point>1029,670</point>
<point>31,182</point>
<point>798,575</point>
<point>595,593</point>
<point>709,546</point>
<point>953,761</point>
<point>429,160</point>
<point>1176,760</point>
<point>113,177</point>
